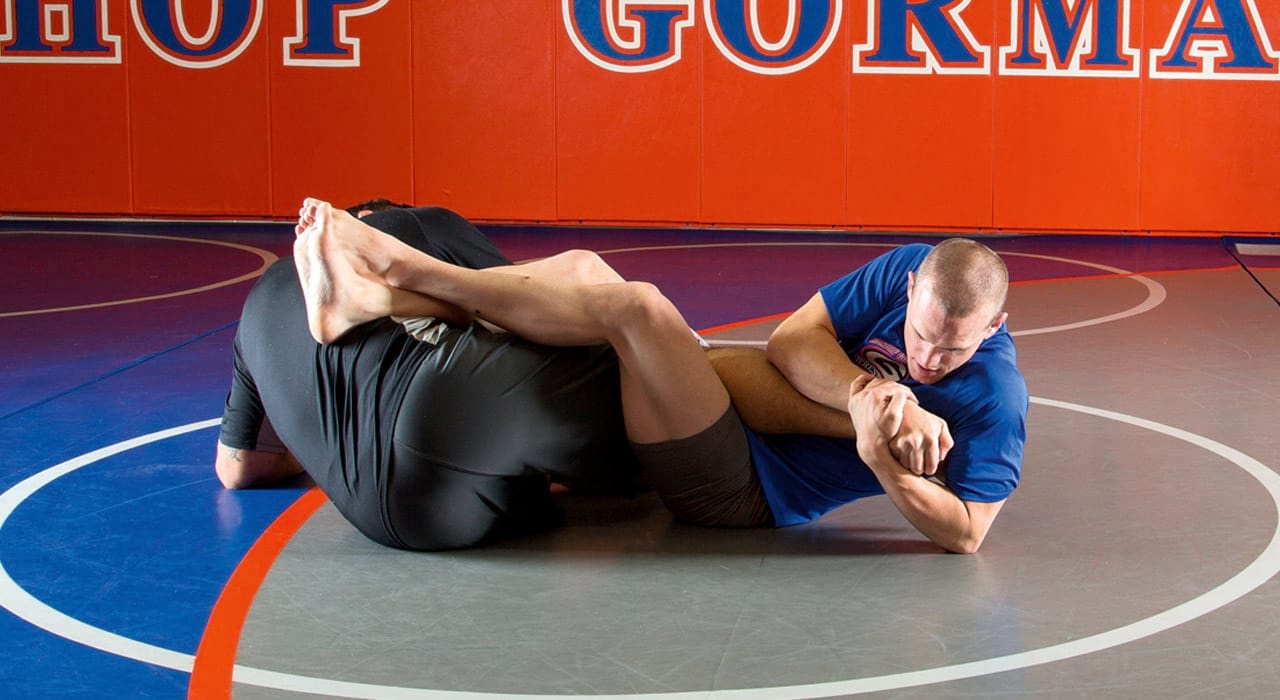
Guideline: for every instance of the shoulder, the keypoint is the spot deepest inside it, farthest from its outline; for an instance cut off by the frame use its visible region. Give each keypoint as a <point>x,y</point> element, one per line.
<point>992,380</point>
<point>912,251</point>
<point>280,280</point>
<point>282,271</point>
<point>279,276</point>
<point>988,388</point>
<point>887,271</point>
<point>904,258</point>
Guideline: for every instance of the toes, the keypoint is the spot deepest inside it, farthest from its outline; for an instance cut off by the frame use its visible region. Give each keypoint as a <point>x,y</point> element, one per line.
<point>299,248</point>
<point>324,213</point>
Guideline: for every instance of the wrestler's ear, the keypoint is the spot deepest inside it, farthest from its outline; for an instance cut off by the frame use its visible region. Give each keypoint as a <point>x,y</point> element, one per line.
<point>996,323</point>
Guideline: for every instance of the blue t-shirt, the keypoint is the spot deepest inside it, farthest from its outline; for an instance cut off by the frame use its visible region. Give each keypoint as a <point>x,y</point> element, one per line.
<point>984,403</point>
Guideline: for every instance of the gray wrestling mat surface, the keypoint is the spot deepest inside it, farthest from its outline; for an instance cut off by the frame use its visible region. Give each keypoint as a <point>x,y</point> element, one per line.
<point>1135,560</point>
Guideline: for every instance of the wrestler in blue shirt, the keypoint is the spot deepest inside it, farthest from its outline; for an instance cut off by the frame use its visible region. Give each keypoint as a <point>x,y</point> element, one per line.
<point>965,376</point>
<point>984,402</point>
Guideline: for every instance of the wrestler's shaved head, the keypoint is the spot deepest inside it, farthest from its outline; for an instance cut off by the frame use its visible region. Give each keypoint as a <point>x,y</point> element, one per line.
<point>965,277</point>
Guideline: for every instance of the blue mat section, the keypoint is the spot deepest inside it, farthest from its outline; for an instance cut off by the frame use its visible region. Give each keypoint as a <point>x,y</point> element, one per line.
<point>139,544</point>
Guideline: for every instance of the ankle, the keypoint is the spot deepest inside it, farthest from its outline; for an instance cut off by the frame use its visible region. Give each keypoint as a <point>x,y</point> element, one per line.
<point>391,274</point>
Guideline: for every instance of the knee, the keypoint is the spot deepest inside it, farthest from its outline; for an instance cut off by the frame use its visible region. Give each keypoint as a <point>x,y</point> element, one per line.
<point>587,267</point>
<point>582,259</point>
<point>641,304</point>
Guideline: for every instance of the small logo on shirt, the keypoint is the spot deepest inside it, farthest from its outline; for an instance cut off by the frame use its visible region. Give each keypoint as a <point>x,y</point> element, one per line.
<point>882,360</point>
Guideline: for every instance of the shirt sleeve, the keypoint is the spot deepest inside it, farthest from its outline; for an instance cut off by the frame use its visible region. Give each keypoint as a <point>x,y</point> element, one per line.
<point>858,300</point>
<point>985,465</point>
<point>243,417</point>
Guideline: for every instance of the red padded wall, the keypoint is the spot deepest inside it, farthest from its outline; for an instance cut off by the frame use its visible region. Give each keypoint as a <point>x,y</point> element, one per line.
<point>343,133</point>
<point>775,146</point>
<point>199,137</point>
<point>628,146</point>
<point>498,110</point>
<point>1210,149</point>
<point>64,133</point>
<point>484,108</point>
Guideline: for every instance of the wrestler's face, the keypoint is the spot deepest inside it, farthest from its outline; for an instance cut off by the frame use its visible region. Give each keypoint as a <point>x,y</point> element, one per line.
<point>936,343</point>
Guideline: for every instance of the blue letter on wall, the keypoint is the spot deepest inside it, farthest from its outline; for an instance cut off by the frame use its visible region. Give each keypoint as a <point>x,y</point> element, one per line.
<point>322,38</point>
<point>1049,39</point>
<point>628,36</point>
<point>810,30</point>
<point>74,31</point>
<point>1216,38</point>
<point>892,26</point>
<point>164,28</point>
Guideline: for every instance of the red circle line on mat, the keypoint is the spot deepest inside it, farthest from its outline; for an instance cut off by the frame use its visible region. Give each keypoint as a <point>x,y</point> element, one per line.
<point>214,666</point>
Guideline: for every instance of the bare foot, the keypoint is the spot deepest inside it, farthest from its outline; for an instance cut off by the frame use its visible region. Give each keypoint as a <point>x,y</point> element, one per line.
<point>338,296</point>
<point>306,215</point>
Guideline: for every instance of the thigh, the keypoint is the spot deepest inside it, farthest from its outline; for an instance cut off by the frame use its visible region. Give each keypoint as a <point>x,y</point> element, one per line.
<point>571,266</point>
<point>708,478</point>
<point>433,507</point>
<point>495,404</point>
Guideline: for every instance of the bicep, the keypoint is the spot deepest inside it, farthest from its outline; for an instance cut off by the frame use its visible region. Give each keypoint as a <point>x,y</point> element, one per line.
<point>810,318</point>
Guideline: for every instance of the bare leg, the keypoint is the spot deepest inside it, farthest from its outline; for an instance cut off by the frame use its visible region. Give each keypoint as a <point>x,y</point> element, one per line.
<point>573,266</point>
<point>330,317</point>
<point>669,390</point>
<point>768,403</point>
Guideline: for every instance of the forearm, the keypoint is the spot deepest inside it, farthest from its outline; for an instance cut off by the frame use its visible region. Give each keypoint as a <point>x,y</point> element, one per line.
<point>881,419</point>
<point>933,510</point>
<point>806,350</point>
<point>242,469</point>
<point>815,365</point>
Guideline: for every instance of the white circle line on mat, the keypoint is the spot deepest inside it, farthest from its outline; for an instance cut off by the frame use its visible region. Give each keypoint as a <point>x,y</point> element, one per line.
<point>22,604</point>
